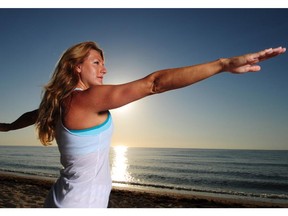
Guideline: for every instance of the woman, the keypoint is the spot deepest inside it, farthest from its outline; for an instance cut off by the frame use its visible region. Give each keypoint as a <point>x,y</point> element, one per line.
<point>75,111</point>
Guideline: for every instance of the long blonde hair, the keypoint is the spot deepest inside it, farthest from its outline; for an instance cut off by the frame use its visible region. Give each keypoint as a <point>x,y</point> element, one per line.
<point>63,81</point>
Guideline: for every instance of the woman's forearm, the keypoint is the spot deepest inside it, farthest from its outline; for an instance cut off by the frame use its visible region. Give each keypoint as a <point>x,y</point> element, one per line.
<point>25,120</point>
<point>169,79</point>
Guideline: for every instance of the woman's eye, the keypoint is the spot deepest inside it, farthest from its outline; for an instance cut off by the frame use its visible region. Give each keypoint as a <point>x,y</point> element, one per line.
<point>96,62</point>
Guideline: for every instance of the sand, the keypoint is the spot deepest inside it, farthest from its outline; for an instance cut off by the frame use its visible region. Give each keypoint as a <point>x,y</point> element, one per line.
<point>20,191</point>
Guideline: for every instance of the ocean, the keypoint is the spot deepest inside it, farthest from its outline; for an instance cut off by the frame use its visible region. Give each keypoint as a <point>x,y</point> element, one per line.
<point>242,174</point>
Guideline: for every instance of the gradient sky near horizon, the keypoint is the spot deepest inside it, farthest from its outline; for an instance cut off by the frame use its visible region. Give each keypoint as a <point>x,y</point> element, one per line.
<point>226,111</point>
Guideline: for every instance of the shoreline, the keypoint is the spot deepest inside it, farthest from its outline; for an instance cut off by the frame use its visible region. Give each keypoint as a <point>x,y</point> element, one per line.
<point>27,191</point>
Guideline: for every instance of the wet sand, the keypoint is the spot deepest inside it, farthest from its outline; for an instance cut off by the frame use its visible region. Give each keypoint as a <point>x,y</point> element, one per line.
<point>20,191</point>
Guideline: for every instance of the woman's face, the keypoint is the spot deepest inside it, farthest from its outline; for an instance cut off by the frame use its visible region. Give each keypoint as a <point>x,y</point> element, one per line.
<point>92,70</point>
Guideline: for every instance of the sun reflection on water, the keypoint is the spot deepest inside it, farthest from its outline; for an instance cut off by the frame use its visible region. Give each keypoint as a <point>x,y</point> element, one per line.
<point>120,165</point>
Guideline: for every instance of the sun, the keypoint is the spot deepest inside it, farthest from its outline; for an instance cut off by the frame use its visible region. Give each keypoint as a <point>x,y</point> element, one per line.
<point>125,109</point>
<point>120,148</point>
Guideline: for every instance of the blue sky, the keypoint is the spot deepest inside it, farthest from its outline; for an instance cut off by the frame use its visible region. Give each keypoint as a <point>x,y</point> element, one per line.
<point>226,111</point>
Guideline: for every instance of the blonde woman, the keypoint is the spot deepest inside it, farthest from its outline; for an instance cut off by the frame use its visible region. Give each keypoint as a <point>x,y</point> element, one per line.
<point>75,111</point>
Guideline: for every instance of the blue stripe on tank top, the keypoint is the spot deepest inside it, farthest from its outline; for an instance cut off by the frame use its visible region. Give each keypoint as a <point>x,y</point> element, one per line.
<point>93,130</point>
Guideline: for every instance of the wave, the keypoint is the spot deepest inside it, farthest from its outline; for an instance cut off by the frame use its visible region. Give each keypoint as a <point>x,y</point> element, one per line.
<point>283,197</point>
<point>219,192</point>
<point>31,173</point>
<point>42,167</point>
<point>194,171</point>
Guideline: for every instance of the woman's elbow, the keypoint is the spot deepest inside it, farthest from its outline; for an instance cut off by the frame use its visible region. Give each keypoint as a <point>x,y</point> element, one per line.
<point>154,85</point>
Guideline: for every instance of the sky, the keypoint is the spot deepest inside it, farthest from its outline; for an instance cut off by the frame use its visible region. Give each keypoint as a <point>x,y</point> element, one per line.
<point>225,111</point>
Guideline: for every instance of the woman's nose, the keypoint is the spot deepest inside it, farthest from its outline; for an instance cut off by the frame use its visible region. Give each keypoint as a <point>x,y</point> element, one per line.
<point>104,70</point>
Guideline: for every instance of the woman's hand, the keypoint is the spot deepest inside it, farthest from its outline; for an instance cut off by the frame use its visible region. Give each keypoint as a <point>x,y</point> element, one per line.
<point>4,127</point>
<point>248,62</point>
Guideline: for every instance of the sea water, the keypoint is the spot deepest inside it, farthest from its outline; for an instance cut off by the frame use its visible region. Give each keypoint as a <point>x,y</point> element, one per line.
<point>242,174</point>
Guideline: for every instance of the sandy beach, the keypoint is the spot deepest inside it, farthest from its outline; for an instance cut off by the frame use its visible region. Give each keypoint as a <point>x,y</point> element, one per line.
<point>20,191</point>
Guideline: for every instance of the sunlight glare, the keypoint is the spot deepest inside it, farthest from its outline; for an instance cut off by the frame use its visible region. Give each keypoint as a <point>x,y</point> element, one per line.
<point>120,165</point>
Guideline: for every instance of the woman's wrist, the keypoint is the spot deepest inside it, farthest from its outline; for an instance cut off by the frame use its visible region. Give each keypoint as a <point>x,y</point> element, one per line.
<point>224,63</point>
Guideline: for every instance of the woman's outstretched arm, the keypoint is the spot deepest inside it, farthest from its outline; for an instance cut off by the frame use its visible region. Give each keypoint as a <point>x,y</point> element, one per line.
<point>105,97</point>
<point>25,120</point>
<point>170,79</point>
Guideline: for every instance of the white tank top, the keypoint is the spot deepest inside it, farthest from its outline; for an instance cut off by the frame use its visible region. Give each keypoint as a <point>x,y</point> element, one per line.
<point>85,180</point>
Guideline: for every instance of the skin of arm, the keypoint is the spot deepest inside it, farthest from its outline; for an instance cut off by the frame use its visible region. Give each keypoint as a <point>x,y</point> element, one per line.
<point>25,120</point>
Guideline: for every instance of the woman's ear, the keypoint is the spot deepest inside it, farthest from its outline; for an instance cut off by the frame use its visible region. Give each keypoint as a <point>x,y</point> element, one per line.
<point>78,68</point>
